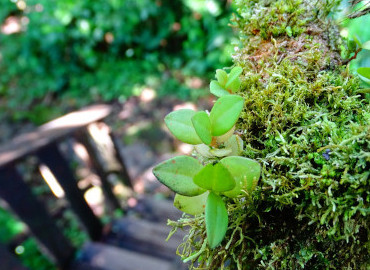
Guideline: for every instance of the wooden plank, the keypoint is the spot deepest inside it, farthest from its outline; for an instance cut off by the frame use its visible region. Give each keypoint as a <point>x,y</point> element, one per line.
<point>144,237</point>
<point>32,212</point>
<point>52,157</point>
<point>156,210</point>
<point>8,261</point>
<point>103,257</point>
<point>126,179</point>
<point>28,143</point>
<point>84,139</point>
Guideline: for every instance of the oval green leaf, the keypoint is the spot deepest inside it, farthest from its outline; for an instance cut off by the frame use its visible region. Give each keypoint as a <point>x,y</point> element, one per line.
<point>225,113</point>
<point>223,152</point>
<point>191,205</point>
<point>235,143</point>
<point>366,45</point>
<point>221,76</point>
<point>177,174</point>
<point>364,74</point>
<point>245,171</point>
<point>216,89</point>
<point>215,177</point>
<point>233,81</point>
<point>216,220</point>
<point>202,126</point>
<point>180,125</point>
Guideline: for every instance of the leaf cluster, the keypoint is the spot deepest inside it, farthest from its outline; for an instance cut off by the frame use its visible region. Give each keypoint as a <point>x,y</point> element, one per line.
<point>201,187</point>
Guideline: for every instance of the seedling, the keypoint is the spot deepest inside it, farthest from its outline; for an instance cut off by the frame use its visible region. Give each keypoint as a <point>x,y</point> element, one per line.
<point>226,84</point>
<point>204,188</point>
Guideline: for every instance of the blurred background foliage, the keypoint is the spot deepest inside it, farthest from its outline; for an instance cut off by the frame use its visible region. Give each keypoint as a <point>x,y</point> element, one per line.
<point>91,51</point>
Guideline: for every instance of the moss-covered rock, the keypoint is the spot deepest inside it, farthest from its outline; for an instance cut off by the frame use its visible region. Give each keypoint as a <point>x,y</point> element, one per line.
<point>309,128</point>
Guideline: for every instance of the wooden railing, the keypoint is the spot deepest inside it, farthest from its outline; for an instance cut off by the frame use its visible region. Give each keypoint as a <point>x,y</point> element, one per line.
<point>43,143</point>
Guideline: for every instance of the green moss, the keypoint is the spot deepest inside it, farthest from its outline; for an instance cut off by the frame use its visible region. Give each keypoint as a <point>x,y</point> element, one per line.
<point>305,123</point>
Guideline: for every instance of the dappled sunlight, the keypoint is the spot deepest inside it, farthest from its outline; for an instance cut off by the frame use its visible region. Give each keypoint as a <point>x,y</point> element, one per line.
<point>147,95</point>
<point>79,118</point>
<point>94,197</point>
<point>186,105</point>
<point>11,25</point>
<point>51,181</point>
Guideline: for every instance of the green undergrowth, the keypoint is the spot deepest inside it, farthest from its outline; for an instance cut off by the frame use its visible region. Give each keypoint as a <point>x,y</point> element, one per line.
<point>309,127</point>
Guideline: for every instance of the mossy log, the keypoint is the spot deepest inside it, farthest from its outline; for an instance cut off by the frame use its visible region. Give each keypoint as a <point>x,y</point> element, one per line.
<point>307,125</point>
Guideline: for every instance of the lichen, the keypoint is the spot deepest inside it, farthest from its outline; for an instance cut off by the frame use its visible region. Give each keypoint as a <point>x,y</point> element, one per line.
<point>309,127</point>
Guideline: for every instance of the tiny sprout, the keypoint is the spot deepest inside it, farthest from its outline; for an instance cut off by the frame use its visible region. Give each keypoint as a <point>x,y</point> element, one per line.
<point>226,84</point>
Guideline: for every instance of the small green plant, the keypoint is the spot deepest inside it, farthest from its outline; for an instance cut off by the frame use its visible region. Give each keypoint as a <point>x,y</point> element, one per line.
<point>226,83</point>
<point>204,186</point>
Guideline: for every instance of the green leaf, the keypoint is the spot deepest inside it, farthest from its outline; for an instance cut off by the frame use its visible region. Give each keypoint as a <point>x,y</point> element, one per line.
<point>366,45</point>
<point>364,74</point>
<point>245,171</point>
<point>217,89</point>
<point>202,126</point>
<point>214,177</point>
<point>223,152</point>
<point>177,174</point>
<point>216,220</point>
<point>221,76</point>
<point>204,150</point>
<point>288,31</point>
<point>233,80</point>
<point>223,138</point>
<point>235,143</point>
<point>225,113</point>
<point>233,86</point>
<point>191,205</point>
<point>357,40</point>
<point>351,44</point>
<point>180,125</point>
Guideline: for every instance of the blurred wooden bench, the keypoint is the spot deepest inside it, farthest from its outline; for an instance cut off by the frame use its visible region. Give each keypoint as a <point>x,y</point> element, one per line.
<point>130,244</point>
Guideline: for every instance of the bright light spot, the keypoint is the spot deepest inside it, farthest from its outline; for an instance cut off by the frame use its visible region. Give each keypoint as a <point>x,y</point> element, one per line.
<point>147,95</point>
<point>84,26</point>
<point>81,152</point>
<point>344,32</point>
<point>195,83</point>
<point>185,148</point>
<point>51,181</point>
<point>19,250</point>
<point>212,7</point>
<point>109,37</point>
<point>94,197</point>
<point>186,105</point>
<point>11,26</point>
<point>21,5</point>
<point>132,202</point>
<point>130,52</point>
<point>176,26</point>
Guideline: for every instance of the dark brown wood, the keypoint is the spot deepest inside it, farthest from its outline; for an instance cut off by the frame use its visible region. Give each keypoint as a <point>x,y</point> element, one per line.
<point>28,143</point>
<point>8,261</point>
<point>144,237</point>
<point>103,257</point>
<point>21,200</point>
<point>52,157</point>
<point>85,139</point>
<point>126,179</point>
